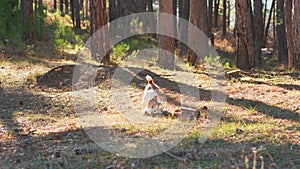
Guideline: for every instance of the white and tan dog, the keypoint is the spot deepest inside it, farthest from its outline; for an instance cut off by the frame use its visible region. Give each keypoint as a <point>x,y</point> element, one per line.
<point>152,97</point>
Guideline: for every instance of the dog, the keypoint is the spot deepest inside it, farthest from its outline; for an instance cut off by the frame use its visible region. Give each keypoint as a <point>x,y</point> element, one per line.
<point>152,97</point>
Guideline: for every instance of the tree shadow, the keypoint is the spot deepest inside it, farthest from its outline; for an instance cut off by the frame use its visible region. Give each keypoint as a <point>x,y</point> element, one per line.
<point>272,111</point>
<point>283,86</point>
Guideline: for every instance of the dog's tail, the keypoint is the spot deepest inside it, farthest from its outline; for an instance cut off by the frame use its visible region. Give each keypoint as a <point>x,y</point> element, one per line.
<point>149,79</point>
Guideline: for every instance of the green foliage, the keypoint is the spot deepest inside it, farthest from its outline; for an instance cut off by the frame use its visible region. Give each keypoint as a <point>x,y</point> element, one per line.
<point>39,22</point>
<point>11,21</point>
<point>120,51</point>
<point>11,26</point>
<point>65,36</point>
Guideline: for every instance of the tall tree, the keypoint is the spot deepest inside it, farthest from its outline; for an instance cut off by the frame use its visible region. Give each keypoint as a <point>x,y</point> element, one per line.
<point>195,20</point>
<point>210,20</point>
<point>216,13</point>
<point>67,6</point>
<point>165,58</point>
<point>72,11</point>
<point>203,17</point>
<point>61,6</point>
<point>269,22</point>
<point>288,8</point>
<point>54,5</point>
<point>224,18</point>
<point>245,50</point>
<point>296,32</point>
<point>28,19</point>
<point>281,34</point>
<point>228,13</point>
<point>257,31</point>
<point>99,41</point>
<point>77,14</point>
<point>184,11</point>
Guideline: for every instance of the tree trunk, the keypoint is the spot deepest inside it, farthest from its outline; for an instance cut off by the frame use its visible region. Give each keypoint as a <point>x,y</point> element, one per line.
<point>228,13</point>
<point>281,34</point>
<point>288,8</point>
<point>184,9</point>
<point>209,20</point>
<point>67,6</point>
<point>99,41</point>
<point>175,22</point>
<point>296,33</point>
<point>195,20</point>
<point>216,13</point>
<point>203,17</point>
<point>86,8</point>
<point>28,19</point>
<point>245,50</point>
<point>77,14</point>
<point>72,11</point>
<point>165,58</point>
<point>61,6</point>
<point>258,31</point>
<point>224,18</point>
<point>54,5</point>
<point>269,22</point>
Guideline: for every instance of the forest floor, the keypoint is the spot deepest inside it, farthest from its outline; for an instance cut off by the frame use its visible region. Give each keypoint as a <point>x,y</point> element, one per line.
<point>41,128</point>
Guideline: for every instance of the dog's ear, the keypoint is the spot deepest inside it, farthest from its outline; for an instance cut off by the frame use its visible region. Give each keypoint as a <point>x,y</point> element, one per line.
<point>149,79</point>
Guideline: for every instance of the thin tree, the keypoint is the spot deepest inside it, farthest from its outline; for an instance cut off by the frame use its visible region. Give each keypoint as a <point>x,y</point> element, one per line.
<point>184,11</point>
<point>216,13</point>
<point>61,6</point>
<point>224,18</point>
<point>245,50</point>
<point>296,33</point>
<point>67,6</point>
<point>28,19</point>
<point>210,20</point>
<point>100,41</point>
<point>54,5</point>
<point>257,31</point>
<point>288,7</point>
<point>77,14</point>
<point>165,58</point>
<point>72,11</point>
<point>269,22</point>
<point>203,17</point>
<point>281,34</point>
<point>195,20</point>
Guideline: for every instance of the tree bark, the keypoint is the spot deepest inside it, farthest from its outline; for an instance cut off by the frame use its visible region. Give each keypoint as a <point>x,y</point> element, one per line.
<point>216,13</point>
<point>67,6</point>
<point>296,33</point>
<point>288,8</point>
<point>281,34</point>
<point>224,18</point>
<point>184,9</point>
<point>269,22</point>
<point>203,17</point>
<point>72,11</point>
<point>258,31</point>
<point>209,20</point>
<point>61,6</point>
<point>195,20</point>
<point>77,14</point>
<point>28,19</point>
<point>245,51</point>
<point>54,5</point>
<point>165,58</point>
<point>99,41</point>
